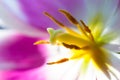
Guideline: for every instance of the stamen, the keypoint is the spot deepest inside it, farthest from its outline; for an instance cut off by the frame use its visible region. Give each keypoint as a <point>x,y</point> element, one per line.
<point>69,16</point>
<point>41,42</point>
<point>83,28</point>
<point>86,28</point>
<point>59,61</point>
<point>53,19</point>
<point>71,46</point>
<point>60,24</point>
<point>73,20</point>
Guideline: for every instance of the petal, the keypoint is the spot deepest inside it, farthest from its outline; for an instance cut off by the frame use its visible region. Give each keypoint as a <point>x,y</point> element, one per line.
<point>35,74</point>
<point>75,7</point>
<point>35,9</point>
<point>63,71</point>
<point>113,47</point>
<point>113,16</point>
<point>114,22</point>
<point>114,66</point>
<point>18,52</point>
<point>103,6</point>
<point>9,20</point>
<point>101,11</point>
<point>31,12</point>
<point>115,62</point>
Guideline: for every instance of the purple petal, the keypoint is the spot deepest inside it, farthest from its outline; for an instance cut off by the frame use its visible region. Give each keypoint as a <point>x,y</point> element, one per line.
<point>118,6</point>
<point>35,10</point>
<point>76,7</point>
<point>32,11</point>
<point>19,51</point>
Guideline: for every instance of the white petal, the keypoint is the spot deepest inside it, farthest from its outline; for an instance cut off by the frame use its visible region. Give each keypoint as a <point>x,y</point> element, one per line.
<point>107,8</point>
<point>14,7</point>
<point>115,62</point>
<point>113,47</point>
<point>63,71</point>
<point>90,74</point>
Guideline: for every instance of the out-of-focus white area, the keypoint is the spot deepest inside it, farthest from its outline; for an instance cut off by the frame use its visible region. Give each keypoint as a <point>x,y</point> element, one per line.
<point>5,34</point>
<point>15,22</point>
<point>57,52</point>
<point>14,7</point>
<point>1,24</point>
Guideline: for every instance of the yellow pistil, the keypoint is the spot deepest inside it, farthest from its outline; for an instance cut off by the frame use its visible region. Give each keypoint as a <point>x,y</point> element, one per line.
<point>83,44</point>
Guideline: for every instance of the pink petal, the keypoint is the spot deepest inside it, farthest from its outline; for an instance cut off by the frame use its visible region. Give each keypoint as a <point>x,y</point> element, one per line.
<point>18,52</point>
<point>34,74</point>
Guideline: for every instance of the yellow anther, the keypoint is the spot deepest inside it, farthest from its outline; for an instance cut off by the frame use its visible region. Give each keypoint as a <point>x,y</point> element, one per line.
<point>69,16</point>
<point>86,28</point>
<point>73,21</point>
<point>41,42</point>
<point>53,19</point>
<point>59,61</point>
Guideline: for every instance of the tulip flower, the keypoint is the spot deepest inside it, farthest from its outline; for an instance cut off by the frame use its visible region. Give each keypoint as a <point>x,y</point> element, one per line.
<point>92,39</point>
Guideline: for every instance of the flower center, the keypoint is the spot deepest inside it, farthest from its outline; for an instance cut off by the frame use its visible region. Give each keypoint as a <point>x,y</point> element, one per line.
<point>81,43</point>
<point>86,44</point>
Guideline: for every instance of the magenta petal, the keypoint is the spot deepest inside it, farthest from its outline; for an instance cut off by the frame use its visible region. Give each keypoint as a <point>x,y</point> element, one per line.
<point>20,51</point>
<point>35,74</point>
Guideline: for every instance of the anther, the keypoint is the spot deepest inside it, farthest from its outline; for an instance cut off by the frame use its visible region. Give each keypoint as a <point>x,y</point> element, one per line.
<point>69,16</point>
<point>53,19</point>
<point>60,24</point>
<point>86,28</point>
<point>59,61</point>
<point>41,42</point>
<point>70,46</point>
<point>73,21</point>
